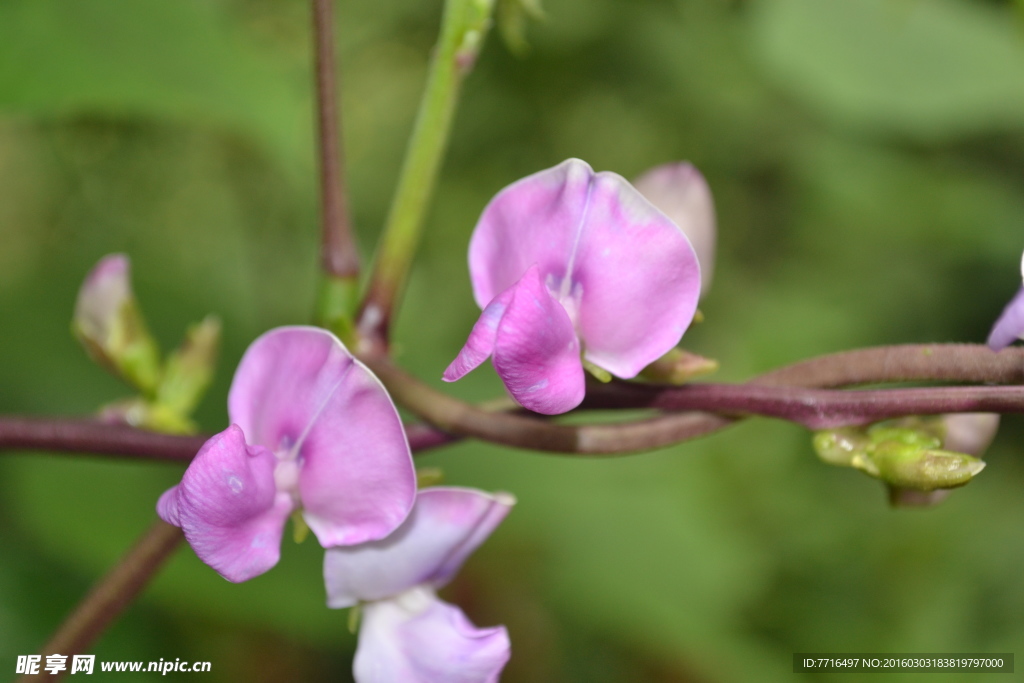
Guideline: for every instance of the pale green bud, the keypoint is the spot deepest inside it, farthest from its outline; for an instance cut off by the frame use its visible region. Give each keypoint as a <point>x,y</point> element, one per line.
<point>678,367</point>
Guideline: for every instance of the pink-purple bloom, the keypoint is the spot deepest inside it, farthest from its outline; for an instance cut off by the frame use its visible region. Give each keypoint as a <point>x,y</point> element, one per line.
<point>409,635</point>
<point>1010,325</point>
<point>313,430</point>
<point>568,263</point>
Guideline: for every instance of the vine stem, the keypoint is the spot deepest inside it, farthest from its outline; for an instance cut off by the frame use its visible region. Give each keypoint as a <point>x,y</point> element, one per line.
<point>464,25</point>
<point>110,595</point>
<point>339,255</point>
<point>769,394</point>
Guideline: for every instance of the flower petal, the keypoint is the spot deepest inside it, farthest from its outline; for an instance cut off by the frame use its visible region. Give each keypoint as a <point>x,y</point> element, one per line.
<point>1010,325</point>
<point>300,392</point>
<point>638,276</point>
<point>445,527</point>
<point>533,221</point>
<point>536,351</point>
<point>680,192</point>
<point>417,638</point>
<point>104,292</point>
<point>228,506</point>
<point>480,344</point>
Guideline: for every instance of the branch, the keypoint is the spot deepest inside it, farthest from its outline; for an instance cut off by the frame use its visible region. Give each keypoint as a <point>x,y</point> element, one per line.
<point>764,395</point>
<point>111,594</point>
<point>464,25</point>
<point>92,436</point>
<point>339,255</point>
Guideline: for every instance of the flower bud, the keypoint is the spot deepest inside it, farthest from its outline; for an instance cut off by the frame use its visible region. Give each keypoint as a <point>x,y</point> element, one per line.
<point>909,466</point>
<point>108,323</point>
<point>680,192</point>
<point>678,367</point>
<point>969,433</point>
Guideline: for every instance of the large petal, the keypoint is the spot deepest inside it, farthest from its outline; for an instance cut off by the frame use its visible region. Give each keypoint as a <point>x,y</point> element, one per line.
<point>300,392</point>
<point>1010,325</point>
<point>680,192</point>
<point>417,638</point>
<point>445,527</point>
<point>534,221</point>
<point>229,508</point>
<point>536,351</point>
<point>480,344</point>
<point>638,277</point>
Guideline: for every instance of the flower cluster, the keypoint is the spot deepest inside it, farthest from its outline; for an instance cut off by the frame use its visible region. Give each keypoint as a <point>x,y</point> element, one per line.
<point>571,267</point>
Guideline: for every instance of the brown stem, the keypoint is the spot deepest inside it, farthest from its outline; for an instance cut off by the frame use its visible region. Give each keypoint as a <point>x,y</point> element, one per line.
<point>111,594</point>
<point>92,436</point>
<point>339,254</point>
<point>815,409</point>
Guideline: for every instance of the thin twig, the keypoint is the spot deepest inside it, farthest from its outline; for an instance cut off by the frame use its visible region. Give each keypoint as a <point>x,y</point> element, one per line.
<point>74,435</point>
<point>339,255</point>
<point>763,395</point>
<point>111,594</point>
<point>92,436</point>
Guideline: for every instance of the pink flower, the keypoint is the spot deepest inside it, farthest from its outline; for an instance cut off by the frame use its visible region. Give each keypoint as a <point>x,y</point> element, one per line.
<point>407,634</point>
<point>1010,325</point>
<point>568,263</point>
<point>312,431</point>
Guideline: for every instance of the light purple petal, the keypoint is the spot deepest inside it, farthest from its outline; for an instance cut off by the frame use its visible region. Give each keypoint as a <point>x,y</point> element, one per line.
<point>299,390</point>
<point>534,221</point>
<point>1010,325</point>
<point>229,508</point>
<point>480,344</point>
<point>104,292</point>
<point>445,527</point>
<point>680,192</point>
<point>627,272</point>
<point>536,351</point>
<point>418,638</point>
<point>638,276</point>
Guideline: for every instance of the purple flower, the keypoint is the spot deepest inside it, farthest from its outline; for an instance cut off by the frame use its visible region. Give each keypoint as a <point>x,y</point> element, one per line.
<point>1010,325</point>
<point>312,430</point>
<point>408,635</point>
<point>568,262</point>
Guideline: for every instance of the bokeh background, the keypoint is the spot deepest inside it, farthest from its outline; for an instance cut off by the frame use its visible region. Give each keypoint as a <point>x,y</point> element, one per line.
<point>867,160</point>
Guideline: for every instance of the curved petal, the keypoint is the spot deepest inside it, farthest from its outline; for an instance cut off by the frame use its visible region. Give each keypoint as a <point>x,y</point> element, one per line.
<point>1010,325</point>
<point>445,527</point>
<point>480,344</point>
<point>533,221</point>
<point>536,351</point>
<point>638,277</point>
<point>228,506</point>
<point>106,289</point>
<point>300,392</point>
<point>680,192</point>
<point>417,638</point>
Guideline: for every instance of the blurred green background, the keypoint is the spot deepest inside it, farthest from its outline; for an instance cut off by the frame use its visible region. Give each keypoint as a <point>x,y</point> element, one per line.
<point>867,159</point>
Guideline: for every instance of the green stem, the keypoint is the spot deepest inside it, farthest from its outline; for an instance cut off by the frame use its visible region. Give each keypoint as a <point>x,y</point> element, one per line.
<point>463,27</point>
